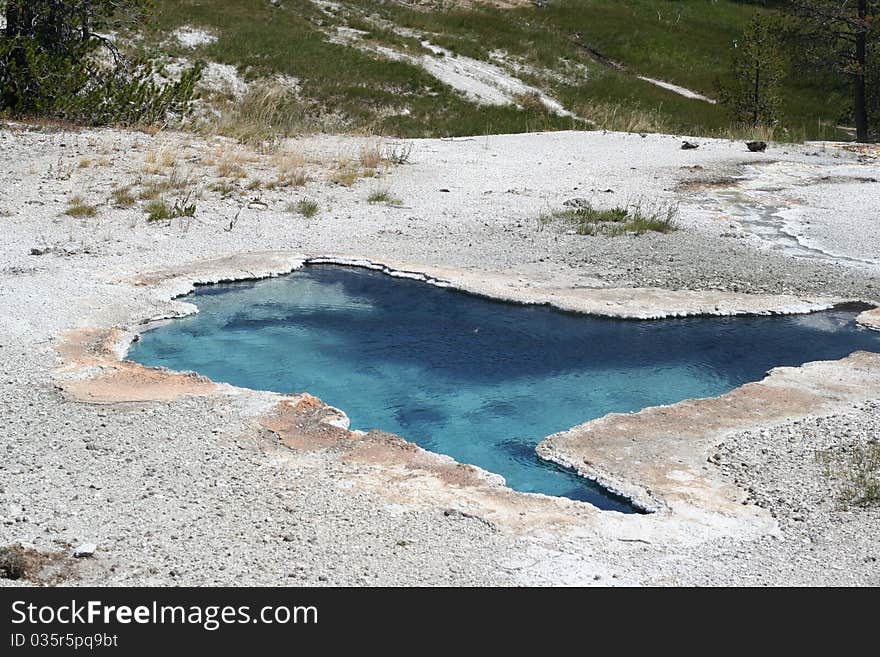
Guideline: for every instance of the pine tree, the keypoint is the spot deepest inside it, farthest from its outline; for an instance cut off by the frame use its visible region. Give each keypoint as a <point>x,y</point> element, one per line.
<point>843,35</point>
<point>758,68</point>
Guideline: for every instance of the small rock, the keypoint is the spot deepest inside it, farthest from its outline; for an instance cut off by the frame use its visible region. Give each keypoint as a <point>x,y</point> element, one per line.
<point>85,550</point>
<point>688,145</point>
<point>756,146</point>
<point>577,203</point>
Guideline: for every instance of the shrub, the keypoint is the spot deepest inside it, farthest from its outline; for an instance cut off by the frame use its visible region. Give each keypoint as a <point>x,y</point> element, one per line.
<point>50,66</point>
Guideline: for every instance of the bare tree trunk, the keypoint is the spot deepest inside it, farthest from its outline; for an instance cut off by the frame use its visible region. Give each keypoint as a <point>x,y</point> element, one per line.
<point>860,105</point>
<point>757,97</point>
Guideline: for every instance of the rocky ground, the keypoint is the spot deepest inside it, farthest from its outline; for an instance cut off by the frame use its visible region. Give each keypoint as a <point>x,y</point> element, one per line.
<point>189,491</point>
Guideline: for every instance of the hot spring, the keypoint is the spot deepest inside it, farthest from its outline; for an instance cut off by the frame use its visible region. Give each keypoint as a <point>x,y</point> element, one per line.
<point>479,380</point>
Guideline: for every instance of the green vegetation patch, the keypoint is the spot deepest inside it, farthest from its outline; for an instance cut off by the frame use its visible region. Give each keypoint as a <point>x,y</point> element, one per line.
<point>636,219</point>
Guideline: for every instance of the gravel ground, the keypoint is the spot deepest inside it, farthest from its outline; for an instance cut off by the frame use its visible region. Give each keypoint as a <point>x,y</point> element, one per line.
<point>187,492</point>
<point>823,540</point>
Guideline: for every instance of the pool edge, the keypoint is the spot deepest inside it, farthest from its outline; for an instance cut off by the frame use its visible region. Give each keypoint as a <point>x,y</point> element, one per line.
<point>167,286</point>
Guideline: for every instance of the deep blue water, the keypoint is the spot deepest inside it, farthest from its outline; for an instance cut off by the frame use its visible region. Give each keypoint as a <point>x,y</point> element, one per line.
<point>479,380</point>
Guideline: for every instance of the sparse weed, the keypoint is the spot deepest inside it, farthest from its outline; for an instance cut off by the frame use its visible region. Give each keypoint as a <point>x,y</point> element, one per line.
<point>160,185</point>
<point>531,101</point>
<point>635,219</point>
<point>183,208</point>
<point>371,157</point>
<point>265,113</point>
<point>151,191</point>
<point>231,169</point>
<point>158,210</point>
<point>224,188</point>
<point>77,207</point>
<point>383,196</point>
<point>398,153</point>
<point>346,176</point>
<point>122,197</point>
<point>157,161</point>
<point>290,168</point>
<point>296,178</point>
<point>617,117</point>
<point>230,162</point>
<point>858,471</point>
<point>744,132</point>
<point>306,207</point>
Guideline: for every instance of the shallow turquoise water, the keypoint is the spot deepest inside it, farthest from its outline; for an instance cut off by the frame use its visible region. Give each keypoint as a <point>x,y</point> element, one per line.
<point>479,380</point>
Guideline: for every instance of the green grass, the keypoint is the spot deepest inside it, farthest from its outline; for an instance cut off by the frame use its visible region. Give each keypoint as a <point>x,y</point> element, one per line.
<point>306,207</point>
<point>224,188</point>
<point>122,197</point>
<point>613,222</point>
<point>77,207</point>
<point>158,210</point>
<point>346,89</point>
<point>368,91</point>
<point>383,196</point>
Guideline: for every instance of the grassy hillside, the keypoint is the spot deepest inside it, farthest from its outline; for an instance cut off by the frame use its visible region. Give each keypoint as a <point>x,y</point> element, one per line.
<point>553,48</point>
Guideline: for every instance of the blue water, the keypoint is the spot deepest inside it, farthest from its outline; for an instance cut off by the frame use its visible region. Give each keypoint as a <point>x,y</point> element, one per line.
<point>479,380</point>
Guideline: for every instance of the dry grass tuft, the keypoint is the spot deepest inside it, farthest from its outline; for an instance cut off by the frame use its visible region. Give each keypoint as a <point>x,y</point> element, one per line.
<point>291,169</point>
<point>230,161</point>
<point>159,160</point>
<point>531,101</point>
<point>122,197</point>
<point>267,112</point>
<point>77,207</point>
<point>371,157</point>
<point>625,118</point>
